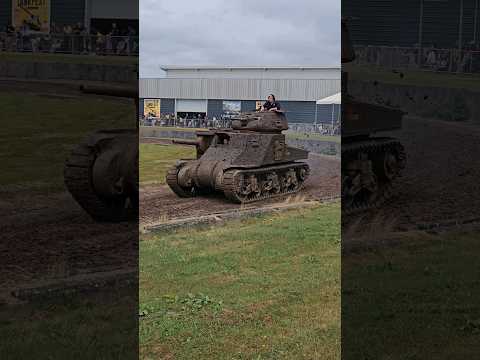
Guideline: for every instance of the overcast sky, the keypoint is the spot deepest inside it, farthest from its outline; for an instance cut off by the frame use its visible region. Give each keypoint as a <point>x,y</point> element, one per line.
<point>238,32</point>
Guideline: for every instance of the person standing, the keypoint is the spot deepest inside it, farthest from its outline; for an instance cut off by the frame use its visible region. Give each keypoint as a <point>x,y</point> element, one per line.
<point>271,104</point>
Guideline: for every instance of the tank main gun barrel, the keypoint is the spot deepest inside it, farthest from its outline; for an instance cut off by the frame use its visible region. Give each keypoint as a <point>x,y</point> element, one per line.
<point>117,91</point>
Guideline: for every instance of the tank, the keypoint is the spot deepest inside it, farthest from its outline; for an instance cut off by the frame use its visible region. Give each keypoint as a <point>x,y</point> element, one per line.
<point>247,163</point>
<point>101,172</point>
<point>370,163</point>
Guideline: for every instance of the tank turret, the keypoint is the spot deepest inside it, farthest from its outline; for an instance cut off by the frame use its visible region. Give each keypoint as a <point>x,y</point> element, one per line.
<point>247,163</point>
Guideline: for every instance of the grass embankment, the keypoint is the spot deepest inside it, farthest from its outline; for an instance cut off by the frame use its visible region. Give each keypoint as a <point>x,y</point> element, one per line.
<point>414,77</point>
<point>264,288</point>
<point>417,300</point>
<point>34,146</point>
<point>155,160</point>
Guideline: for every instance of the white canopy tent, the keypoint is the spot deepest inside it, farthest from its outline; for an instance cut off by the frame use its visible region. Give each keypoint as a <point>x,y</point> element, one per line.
<point>332,99</point>
<point>335,99</point>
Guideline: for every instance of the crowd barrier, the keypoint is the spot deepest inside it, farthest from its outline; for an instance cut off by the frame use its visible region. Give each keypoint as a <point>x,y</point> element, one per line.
<point>446,60</point>
<point>323,129</point>
<point>69,44</point>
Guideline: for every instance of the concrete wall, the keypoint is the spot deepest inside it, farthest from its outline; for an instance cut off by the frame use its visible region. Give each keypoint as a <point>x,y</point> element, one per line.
<point>434,102</point>
<point>67,71</point>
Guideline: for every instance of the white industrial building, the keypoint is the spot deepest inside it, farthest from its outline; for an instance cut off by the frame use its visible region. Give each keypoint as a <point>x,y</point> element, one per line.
<point>213,91</point>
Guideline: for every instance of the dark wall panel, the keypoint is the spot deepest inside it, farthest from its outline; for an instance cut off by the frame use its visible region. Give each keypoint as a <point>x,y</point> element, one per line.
<point>5,13</point>
<point>167,106</point>
<point>396,23</point>
<point>68,12</point>
<point>324,113</point>
<point>214,108</point>
<point>248,105</point>
<point>299,111</point>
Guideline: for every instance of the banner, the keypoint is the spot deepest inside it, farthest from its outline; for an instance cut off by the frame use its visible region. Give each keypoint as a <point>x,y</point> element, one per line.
<point>151,108</point>
<point>35,14</point>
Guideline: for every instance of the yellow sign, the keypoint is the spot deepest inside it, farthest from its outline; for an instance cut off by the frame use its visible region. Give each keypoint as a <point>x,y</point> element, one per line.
<point>35,14</point>
<point>151,108</point>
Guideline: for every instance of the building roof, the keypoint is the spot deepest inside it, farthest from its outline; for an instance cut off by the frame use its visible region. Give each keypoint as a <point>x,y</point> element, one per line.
<point>246,67</point>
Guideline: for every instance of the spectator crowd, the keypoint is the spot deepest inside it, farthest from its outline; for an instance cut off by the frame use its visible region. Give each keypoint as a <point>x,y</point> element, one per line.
<point>454,60</point>
<point>224,121</point>
<point>69,39</point>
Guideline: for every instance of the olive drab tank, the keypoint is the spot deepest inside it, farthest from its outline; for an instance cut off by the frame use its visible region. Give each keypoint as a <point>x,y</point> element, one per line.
<point>247,163</point>
<point>370,164</point>
<point>101,172</point>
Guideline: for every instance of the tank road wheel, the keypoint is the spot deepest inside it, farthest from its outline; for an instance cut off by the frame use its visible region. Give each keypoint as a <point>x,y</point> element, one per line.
<point>248,185</point>
<point>79,178</point>
<point>172,181</point>
<point>290,181</point>
<point>271,185</point>
<point>389,164</point>
<point>371,167</point>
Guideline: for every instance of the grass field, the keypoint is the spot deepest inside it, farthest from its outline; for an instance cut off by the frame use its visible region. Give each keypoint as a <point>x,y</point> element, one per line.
<point>155,160</point>
<point>265,288</point>
<point>95,326</point>
<point>417,300</point>
<point>68,58</point>
<point>414,77</point>
<point>34,146</point>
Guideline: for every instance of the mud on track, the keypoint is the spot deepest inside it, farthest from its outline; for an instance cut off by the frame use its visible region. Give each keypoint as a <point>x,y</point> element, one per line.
<point>441,180</point>
<point>159,203</point>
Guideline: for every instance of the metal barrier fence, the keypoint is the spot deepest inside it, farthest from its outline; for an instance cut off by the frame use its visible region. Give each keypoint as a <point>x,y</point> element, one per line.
<point>447,60</point>
<point>69,44</point>
<point>306,128</point>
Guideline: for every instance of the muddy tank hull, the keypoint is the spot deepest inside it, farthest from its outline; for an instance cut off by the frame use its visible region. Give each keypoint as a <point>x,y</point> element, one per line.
<point>239,185</point>
<point>249,163</point>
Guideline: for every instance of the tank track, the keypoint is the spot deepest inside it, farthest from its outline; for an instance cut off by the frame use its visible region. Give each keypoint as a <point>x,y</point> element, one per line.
<point>173,183</point>
<point>78,180</point>
<point>374,147</point>
<point>231,189</point>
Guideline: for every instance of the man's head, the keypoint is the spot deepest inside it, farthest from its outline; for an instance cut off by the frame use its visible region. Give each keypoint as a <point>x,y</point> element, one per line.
<point>271,98</point>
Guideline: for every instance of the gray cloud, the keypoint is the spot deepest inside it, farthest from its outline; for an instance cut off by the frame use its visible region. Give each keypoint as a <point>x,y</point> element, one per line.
<point>243,32</point>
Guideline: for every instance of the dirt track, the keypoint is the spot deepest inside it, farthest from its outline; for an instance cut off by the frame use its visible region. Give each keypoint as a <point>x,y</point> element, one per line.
<point>49,236</point>
<point>441,180</point>
<point>159,203</point>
